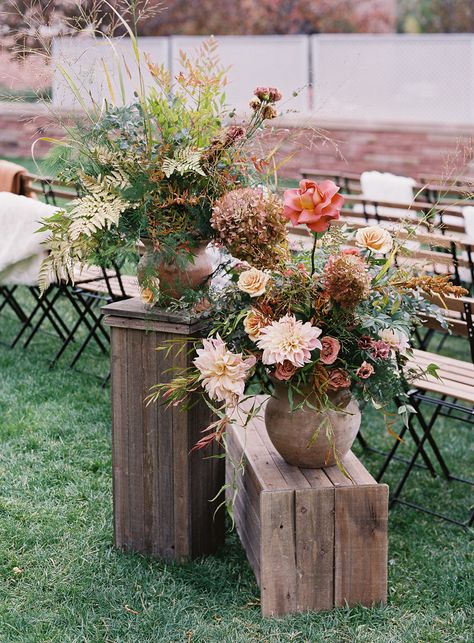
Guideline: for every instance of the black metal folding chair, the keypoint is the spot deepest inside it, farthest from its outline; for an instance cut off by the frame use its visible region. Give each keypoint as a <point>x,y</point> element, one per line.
<point>452,396</point>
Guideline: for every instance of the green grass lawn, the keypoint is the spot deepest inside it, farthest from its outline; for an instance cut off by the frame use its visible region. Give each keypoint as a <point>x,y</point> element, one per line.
<point>61,580</point>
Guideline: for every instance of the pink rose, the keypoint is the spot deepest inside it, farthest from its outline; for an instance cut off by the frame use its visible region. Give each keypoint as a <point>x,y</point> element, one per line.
<point>338,378</point>
<point>380,350</point>
<point>330,350</point>
<point>365,370</point>
<point>314,204</point>
<point>285,371</point>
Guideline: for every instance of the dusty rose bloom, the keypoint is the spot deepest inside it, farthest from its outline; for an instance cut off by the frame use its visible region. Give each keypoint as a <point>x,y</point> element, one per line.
<point>268,94</point>
<point>314,204</point>
<point>380,350</point>
<point>365,370</point>
<point>338,378</point>
<point>234,132</point>
<point>330,350</point>
<point>255,104</point>
<point>350,251</point>
<point>365,342</point>
<point>285,371</point>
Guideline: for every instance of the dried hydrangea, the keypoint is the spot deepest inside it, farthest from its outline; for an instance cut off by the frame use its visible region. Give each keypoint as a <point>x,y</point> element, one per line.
<point>250,224</point>
<point>346,280</point>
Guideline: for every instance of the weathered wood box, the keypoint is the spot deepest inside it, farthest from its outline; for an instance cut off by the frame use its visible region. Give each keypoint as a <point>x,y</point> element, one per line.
<point>161,491</point>
<point>314,539</point>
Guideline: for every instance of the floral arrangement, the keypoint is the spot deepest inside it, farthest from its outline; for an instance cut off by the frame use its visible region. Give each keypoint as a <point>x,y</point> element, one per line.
<point>156,168</point>
<point>334,320</point>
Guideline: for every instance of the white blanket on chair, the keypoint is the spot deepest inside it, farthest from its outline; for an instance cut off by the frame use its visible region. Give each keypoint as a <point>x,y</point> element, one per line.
<point>384,186</point>
<point>21,252</point>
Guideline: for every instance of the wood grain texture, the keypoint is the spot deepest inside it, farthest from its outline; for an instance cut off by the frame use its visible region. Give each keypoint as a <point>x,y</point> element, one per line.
<point>314,538</point>
<point>162,492</point>
<point>360,539</point>
<point>277,553</point>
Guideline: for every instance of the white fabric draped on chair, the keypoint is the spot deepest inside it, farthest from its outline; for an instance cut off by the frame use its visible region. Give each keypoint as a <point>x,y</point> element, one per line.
<point>21,249</point>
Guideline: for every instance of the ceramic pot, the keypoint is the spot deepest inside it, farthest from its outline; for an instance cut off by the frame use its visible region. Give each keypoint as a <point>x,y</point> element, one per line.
<point>292,433</point>
<point>173,279</point>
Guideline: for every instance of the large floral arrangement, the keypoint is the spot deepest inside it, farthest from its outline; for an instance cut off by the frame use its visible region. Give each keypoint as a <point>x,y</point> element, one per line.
<point>154,169</point>
<point>336,319</point>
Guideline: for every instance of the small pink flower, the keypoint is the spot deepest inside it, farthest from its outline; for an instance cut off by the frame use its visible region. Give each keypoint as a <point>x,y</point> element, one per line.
<point>285,371</point>
<point>330,350</point>
<point>268,94</point>
<point>350,251</point>
<point>314,204</point>
<point>365,370</point>
<point>380,350</point>
<point>338,378</point>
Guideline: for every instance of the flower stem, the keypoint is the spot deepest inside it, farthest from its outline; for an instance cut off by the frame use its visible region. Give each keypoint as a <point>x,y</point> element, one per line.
<point>313,253</point>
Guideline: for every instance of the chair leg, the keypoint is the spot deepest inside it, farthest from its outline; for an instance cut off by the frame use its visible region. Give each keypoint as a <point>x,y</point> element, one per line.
<point>46,307</point>
<point>426,432</point>
<point>86,341</point>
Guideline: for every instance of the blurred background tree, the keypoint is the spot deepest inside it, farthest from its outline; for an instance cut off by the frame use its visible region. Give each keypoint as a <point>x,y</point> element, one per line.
<point>436,16</point>
<point>31,24</point>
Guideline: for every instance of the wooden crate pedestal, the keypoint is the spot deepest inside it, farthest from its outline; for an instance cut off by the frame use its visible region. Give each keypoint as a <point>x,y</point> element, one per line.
<point>161,492</point>
<point>314,539</point>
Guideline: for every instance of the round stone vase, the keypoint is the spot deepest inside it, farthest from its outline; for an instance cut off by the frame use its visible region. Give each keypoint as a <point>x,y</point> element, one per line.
<point>307,437</point>
<point>169,277</point>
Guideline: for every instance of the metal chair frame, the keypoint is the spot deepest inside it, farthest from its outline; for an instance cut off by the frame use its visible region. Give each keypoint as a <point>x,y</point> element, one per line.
<point>446,405</point>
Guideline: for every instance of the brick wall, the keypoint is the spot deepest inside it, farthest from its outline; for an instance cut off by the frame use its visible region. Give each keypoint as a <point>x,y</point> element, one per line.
<point>350,147</point>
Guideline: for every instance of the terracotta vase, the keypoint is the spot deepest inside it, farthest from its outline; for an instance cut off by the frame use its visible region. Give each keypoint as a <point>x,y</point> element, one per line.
<point>174,279</point>
<point>292,433</point>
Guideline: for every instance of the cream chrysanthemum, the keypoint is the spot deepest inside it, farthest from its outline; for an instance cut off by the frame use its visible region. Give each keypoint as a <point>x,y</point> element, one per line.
<point>288,339</point>
<point>223,373</point>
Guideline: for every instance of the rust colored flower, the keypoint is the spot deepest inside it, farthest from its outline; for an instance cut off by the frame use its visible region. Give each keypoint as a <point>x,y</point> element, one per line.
<point>285,371</point>
<point>346,280</point>
<point>330,350</point>
<point>314,204</point>
<point>269,112</point>
<point>365,342</point>
<point>250,224</point>
<point>234,132</point>
<point>365,370</point>
<point>338,378</point>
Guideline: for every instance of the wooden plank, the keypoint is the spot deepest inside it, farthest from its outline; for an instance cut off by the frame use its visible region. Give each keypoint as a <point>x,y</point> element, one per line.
<point>134,309</point>
<point>269,476</point>
<point>148,325</point>
<point>277,553</point>
<point>360,537</point>
<point>314,542</point>
<point>119,437</point>
<point>165,474</point>
<point>150,446</point>
<point>181,463</point>
<point>317,478</point>
<point>135,394</point>
<point>207,478</point>
<point>247,521</point>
